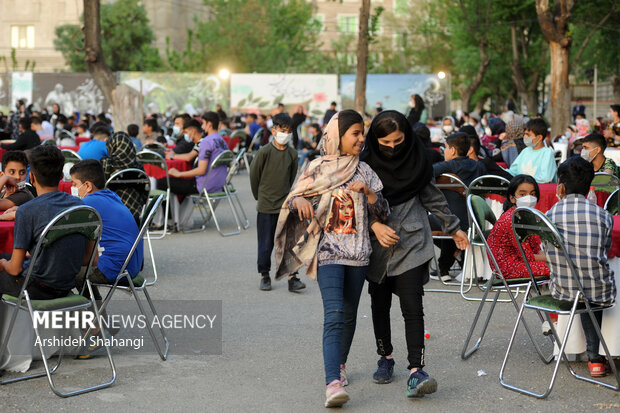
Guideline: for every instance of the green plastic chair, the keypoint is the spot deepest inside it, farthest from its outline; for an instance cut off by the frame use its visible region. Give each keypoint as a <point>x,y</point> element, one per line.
<point>604,182</point>
<point>527,222</point>
<point>613,202</point>
<point>81,220</point>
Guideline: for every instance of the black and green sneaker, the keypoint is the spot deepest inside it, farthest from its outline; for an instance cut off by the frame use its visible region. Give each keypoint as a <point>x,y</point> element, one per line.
<point>420,383</point>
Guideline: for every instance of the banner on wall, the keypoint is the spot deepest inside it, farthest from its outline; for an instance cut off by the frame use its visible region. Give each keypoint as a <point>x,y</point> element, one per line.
<point>73,92</point>
<point>263,92</point>
<point>393,91</point>
<point>192,93</point>
<point>21,86</point>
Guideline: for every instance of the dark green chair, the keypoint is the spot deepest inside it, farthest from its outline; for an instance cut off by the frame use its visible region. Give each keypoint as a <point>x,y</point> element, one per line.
<point>527,222</point>
<point>613,202</point>
<point>82,220</point>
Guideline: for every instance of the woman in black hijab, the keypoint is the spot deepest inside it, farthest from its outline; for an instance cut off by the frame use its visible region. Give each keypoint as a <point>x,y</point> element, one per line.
<point>403,246</point>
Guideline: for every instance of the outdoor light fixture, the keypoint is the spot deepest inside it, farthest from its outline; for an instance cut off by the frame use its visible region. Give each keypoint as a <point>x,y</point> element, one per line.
<point>224,74</point>
<point>441,75</point>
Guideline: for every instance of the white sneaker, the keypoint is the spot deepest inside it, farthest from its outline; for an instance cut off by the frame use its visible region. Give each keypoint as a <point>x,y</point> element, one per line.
<point>335,394</point>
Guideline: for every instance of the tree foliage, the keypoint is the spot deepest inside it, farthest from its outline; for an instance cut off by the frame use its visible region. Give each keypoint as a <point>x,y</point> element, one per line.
<point>126,39</point>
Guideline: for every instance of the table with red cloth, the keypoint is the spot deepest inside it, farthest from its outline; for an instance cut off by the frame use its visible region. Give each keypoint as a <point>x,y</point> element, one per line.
<point>502,164</point>
<point>64,186</point>
<point>81,139</point>
<point>548,197</point>
<point>158,173</point>
<point>6,235</point>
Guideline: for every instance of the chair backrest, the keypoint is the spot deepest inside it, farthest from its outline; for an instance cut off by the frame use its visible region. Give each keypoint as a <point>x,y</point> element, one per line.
<point>237,139</point>
<point>154,146</point>
<point>225,132</point>
<point>479,214</point>
<point>528,221</point>
<point>612,205</point>
<point>449,182</point>
<point>257,138</point>
<point>51,142</point>
<point>604,182</point>
<point>70,156</point>
<point>225,158</point>
<point>82,219</point>
<point>488,185</point>
<point>145,221</point>
<point>130,178</point>
<point>558,157</point>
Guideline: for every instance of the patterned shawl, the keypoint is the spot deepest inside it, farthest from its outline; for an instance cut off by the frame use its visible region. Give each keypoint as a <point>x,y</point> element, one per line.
<point>122,155</point>
<point>296,241</point>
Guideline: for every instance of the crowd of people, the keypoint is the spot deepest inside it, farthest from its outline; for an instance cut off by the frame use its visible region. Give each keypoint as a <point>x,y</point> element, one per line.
<point>348,197</point>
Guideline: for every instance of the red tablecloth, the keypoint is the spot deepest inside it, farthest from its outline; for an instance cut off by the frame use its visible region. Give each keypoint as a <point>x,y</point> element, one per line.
<point>502,164</point>
<point>2,151</point>
<point>65,186</point>
<point>548,197</point>
<point>614,251</point>
<point>6,236</point>
<point>81,139</point>
<point>158,173</point>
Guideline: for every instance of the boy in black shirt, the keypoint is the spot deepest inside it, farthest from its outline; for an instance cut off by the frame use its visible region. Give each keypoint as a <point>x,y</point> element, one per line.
<point>14,167</point>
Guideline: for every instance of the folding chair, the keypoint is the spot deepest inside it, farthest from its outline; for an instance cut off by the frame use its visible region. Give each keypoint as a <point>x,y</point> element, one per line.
<point>613,202</point>
<point>81,220</point>
<point>482,186</point>
<point>237,140</point>
<point>225,159</point>
<point>604,182</point>
<point>256,139</point>
<point>148,157</point>
<point>155,147</point>
<point>447,182</point>
<point>479,213</point>
<point>527,222</point>
<point>70,156</point>
<point>124,282</point>
<point>225,132</point>
<point>232,191</point>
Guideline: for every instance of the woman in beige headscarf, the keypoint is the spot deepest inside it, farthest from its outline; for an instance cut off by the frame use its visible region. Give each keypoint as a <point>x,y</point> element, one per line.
<point>324,225</point>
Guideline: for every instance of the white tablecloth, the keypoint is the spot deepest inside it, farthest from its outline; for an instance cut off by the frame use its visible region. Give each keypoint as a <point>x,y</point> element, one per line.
<point>611,333</point>
<point>614,154</point>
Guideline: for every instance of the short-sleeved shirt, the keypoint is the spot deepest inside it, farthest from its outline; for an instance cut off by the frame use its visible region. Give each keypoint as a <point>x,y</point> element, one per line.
<point>210,147</point>
<point>119,233</point>
<point>345,239</point>
<point>538,163</point>
<point>59,263</point>
<point>93,149</point>
<point>20,197</point>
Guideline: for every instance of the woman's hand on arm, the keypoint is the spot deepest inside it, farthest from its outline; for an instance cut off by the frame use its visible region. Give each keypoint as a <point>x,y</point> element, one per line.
<point>362,188</point>
<point>385,235</point>
<point>304,208</point>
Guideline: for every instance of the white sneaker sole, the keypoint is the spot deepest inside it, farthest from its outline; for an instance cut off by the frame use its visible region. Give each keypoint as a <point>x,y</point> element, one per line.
<point>337,399</point>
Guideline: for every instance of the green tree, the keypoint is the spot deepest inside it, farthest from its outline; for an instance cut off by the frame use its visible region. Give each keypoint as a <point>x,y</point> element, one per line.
<point>126,39</point>
<point>252,36</point>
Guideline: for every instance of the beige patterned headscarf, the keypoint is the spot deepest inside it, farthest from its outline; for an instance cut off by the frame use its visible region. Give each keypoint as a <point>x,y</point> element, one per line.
<point>296,241</point>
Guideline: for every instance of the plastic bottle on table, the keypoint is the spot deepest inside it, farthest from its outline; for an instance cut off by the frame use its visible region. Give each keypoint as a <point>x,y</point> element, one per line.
<point>592,195</point>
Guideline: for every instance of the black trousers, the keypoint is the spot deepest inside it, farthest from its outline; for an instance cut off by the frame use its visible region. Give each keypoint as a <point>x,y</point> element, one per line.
<point>179,186</point>
<point>12,285</point>
<point>265,231</point>
<point>409,289</point>
<point>447,246</point>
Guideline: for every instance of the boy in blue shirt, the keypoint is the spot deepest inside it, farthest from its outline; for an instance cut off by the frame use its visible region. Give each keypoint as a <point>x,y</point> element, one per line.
<point>55,270</point>
<point>96,147</point>
<point>536,160</point>
<point>119,227</point>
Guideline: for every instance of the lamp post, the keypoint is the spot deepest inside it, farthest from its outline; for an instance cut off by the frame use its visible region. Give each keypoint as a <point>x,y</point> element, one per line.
<point>441,75</point>
<point>224,75</point>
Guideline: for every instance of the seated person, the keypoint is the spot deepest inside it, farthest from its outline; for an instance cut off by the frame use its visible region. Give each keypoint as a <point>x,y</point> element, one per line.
<point>81,130</point>
<point>309,145</point>
<point>55,270</point>
<point>96,147</point>
<point>119,227</point>
<point>133,130</point>
<point>253,126</point>
<point>210,147</point>
<point>183,143</point>
<point>150,129</point>
<point>593,147</point>
<point>536,160</point>
<point>27,138</point>
<point>466,169</point>
<point>586,230</point>
<point>478,153</point>
<point>425,135</point>
<point>14,168</point>
<point>522,191</point>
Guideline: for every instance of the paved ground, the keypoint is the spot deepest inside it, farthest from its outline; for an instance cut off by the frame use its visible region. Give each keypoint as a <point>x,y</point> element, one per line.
<point>272,359</point>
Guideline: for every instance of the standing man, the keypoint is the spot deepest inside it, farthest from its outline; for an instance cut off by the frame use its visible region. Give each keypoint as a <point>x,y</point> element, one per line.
<point>329,113</point>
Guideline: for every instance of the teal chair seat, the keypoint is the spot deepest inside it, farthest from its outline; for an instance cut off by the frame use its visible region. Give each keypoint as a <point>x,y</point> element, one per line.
<point>71,300</point>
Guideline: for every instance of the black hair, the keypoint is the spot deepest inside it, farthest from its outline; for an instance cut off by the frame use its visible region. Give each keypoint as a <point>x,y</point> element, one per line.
<point>100,128</point>
<point>333,104</point>
<point>597,139</point>
<point>616,108</point>
<point>152,122</point>
<point>474,142</point>
<point>316,126</point>
<point>184,116</point>
<point>14,156</point>
<point>213,118</point>
<point>263,117</point>
<point>388,124</point>
<point>576,174</point>
<point>460,141</point>
<point>538,126</point>
<point>346,119</point>
<point>25,123</point>
<point>514,185</point>
<point>89,170</point>
<point>192,123</point>
<point>469,130</point>
<point>423,133</point>
<point>61,119</point>
<point>419,103</point>
<point>253,116</point>
<point>35,120</point>
<point>283,120</point>
<point>46,163</point>
<point>133,130</point>
<point>280,105</point>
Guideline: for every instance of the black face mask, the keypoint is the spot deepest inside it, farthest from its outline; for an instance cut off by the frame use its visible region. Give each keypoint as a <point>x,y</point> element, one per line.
<point>389,152</point>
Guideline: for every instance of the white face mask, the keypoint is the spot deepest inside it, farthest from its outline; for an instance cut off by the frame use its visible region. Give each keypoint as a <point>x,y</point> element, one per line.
<point>585,154</point>
<point>283,138</point>
<point>187,138</point>
<point>488,131</point>
<point>176,131</point>
<point>447,128</point>
<point>75,191</point>
<point>527,201</point>
<point>529,141</point>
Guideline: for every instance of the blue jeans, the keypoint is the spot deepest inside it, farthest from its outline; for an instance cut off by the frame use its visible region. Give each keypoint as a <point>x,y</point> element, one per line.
<point>341,287</point>
<point>592,340</point>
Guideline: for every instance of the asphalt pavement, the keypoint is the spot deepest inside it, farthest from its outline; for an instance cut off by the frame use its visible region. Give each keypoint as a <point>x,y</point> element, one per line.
<point>271,358</point>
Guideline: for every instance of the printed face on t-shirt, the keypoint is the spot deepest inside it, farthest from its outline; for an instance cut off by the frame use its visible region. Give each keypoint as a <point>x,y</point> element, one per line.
<point>341,218</point>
